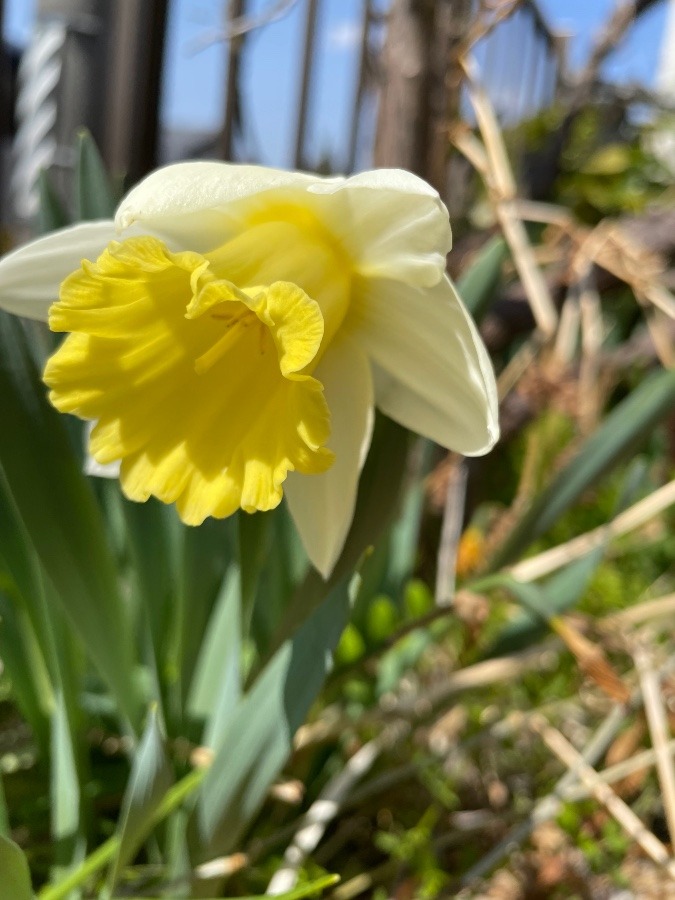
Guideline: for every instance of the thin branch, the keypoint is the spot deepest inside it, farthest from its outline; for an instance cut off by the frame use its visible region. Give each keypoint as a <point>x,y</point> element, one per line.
<point>327,806</point>
<point>502,185</point>
<point>632,518</point>
<point>549,806</point>
<point>610,36</point>
<point>614,805</point>
<point>451,530</point>
<point>242,25</point>
<point>650,684</point>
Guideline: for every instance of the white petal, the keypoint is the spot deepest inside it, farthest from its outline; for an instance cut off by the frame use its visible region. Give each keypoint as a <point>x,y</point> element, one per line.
<point>200,204</point>
<point>30,276</point>
<point>391,223</point>
<point>432,372</point>
<point>322,506</point>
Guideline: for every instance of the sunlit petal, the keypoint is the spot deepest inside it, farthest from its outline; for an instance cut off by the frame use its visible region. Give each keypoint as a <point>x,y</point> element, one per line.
<point>199,204</point>
<point>322,506</point>
<point>389,222</point>
<point>432,372</point>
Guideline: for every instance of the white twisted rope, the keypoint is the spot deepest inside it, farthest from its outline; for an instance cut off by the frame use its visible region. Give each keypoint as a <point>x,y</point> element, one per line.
<point>34,144</point>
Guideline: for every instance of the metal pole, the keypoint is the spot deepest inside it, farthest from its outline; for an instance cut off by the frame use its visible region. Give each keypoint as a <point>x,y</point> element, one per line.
<point>134,57</point>
<point>305,82</point>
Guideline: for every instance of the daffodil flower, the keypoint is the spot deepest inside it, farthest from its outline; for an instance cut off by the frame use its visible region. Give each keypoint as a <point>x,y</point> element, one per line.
<point>231,332</point>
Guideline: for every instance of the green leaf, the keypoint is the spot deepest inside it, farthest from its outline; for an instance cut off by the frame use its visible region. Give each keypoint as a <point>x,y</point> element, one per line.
<point>94,197</point>
<point>563,590</point>
<point>61,517</point>
<point>216,688</point>
<point>403,543</point>
<point>313,889</point>
<point>478,285</point>
<point>150,779</point>
<point>15,883</point>
<point>282,568</point>
<point>148,533</point>
<point>15,549</point>
<point>64,790</point>
<point>23,629</point>
<point>4,812</point>
<point>52,214</point>
<point>541,602</point>
<point>25,665</point>
<point>260,735</point>
<point>168,803</point>
<point>255,532</point>
<point>379,494</point>
<point>625,428</point>
<point>207,552</point>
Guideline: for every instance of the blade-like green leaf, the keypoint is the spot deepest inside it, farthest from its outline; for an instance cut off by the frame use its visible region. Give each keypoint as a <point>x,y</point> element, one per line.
<point>216,688</point>
<point>255,533</point>
<point>165,806</point>
<point>65,791</point>
<point>4,813</point>
<point>563,590</point>
<point>52,214</point>
<point>61,517</point>
<point>540,602</point>
<point>405,530</point>
<point>260,735</point>
<point>282,569</point>
<point>94,198</point>
<point>25,665</point>
<point>150,779</point>
<point>207,552</point>
<point>627,426</point>
<point>15,549</point>
<point>15,881</point>
<point>313,889</point>
<point>478,285</point>
<point>376,503</point>
<point>150,533</point>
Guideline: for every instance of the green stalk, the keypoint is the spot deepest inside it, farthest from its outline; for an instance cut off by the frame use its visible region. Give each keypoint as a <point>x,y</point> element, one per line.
<point>105,853</point>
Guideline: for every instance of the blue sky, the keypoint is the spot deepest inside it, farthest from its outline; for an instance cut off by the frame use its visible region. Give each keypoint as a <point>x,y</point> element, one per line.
<point>194,83</point>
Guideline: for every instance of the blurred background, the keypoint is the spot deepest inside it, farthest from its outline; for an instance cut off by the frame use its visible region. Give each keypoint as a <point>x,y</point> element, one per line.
<point>293,83</point>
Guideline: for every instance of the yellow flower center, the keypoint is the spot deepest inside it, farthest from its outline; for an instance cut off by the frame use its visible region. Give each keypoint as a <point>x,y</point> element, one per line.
<point>197,368</point>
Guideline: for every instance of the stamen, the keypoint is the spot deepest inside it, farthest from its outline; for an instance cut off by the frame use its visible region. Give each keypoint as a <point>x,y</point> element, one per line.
<point>235,325</point>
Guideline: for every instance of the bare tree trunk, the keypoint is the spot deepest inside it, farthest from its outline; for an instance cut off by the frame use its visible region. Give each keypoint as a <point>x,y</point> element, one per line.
<point>421,85</point>
<point>451,24</point>
<point>402,124</point>
<point>305,82</point>
<point>232,107</point>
